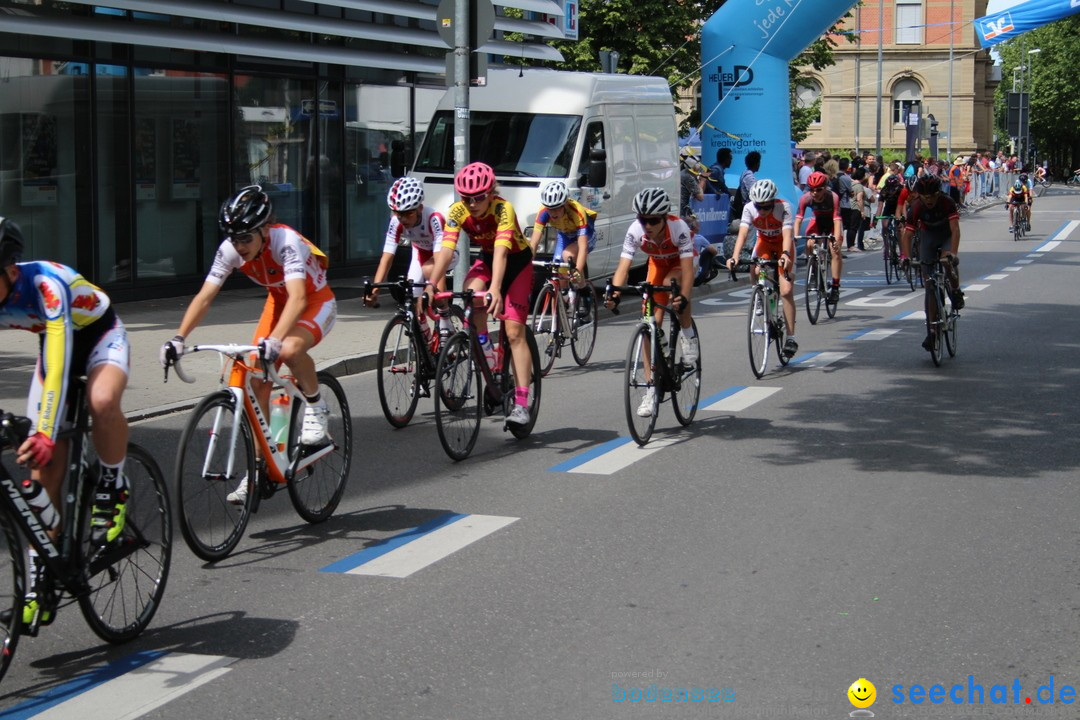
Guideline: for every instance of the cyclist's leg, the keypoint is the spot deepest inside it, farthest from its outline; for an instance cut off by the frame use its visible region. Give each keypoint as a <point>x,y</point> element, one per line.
<point>478,279</point>
<point>787,297</point>
<point>516,312</point>
<point>311,327</point>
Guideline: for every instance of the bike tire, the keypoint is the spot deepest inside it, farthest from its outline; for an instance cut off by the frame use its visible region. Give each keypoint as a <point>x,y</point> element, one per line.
<point>212,527</point>
<point>813,290</point>
<point>583,336</point>
<point>398,379</point>
<point>545,325</point>
<point>316,490</point>
<point>758,333</point>
<point>510,382</point>
<point>779,331</point>
<point>12,590</point>
<point>686,385</point>
<point>636,386</point>
<point>950,329</point>
<point>934,330</point>
<point>458,396</point>
<point>127,577</point>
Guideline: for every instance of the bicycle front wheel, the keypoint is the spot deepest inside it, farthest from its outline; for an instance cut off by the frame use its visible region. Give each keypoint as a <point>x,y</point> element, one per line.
<point>687,385</point>
<point>316,490</point>
<point>813,290</point>
<point>512,382</point>
<point>641,396</point>
<point>950,329</point>
<point>12,590</point>
<point>545,325</point>
<point>933,329</point>
<point>458,393</point>
<point>211,526</point>
<point>127,577</point>
<point>398,380</point>
<point>757,334</point>
<point>587,317</point>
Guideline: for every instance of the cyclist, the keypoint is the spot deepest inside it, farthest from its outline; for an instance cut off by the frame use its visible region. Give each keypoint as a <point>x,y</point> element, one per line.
<point>576,226</point>
<point>936,214</point>
<point>504,269</point>
<point>888,199</point>
<point>667,240</point>
<point>1030,185</point>
<point>1019,199</point>
<point>422,227</point>
<point>825,205</point>
<point>772,218</point>
<point>80,335</point>
<point>300,308</point>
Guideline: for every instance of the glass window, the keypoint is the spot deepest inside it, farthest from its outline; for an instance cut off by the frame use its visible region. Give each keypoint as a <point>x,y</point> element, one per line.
<point>113,257</point>
<point>909,22</point>
<point>905,92</point>
<point>807,92</point>
<point>594,140</point>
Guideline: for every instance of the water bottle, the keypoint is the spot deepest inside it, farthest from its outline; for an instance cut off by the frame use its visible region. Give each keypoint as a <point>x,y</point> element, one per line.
<point>38,499</point>
<point>489,351</point>
<point>425,330</point>
<point>772,304</point>
<point>279,418</point>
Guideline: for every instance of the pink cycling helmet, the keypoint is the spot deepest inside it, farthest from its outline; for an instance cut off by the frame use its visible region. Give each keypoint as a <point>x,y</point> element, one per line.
<point>474,179</point>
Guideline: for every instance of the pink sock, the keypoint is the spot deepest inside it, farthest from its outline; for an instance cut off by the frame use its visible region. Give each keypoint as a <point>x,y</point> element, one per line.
<point>521,396</point>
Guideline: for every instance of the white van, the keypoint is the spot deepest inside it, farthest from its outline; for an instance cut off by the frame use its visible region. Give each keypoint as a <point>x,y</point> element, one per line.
<point>607,136</point>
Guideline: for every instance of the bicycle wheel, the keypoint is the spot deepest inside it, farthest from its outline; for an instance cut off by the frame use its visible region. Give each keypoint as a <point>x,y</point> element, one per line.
<point>12,590</point>
<point>210,525</point>
<point>830,304</point>
<point>316,490</point>
<point>641,394</point>
<point>891,268</point>
<point>934,329</point>
<point>458,391</point>
<point>758,333</point>
<point>813,290</point>
<point>511,382</point>
<point>1017,231</point>
<point>950,327</point>
<point>127,577</point>
<point>545,325</point>
<point>687,381</point>
<point>399,383</point>
<point>586,317</point>
<point>778,333</point>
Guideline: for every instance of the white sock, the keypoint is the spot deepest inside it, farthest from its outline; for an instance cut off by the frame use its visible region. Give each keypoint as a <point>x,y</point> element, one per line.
<point>689,333</point>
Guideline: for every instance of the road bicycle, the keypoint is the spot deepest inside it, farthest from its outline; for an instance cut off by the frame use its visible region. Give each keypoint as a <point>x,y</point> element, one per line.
<point>407,357</point>
<point>941,330</point>
<point>227,445</point>
<point>1041,185</point>
<point>1019,224</point>
<point>467,387</point>
<point>1074,179</point>
<point>655,367</point>
<point>556,318</point>
<point>766,325</point>
<point>890,248</point>
<point>913,270</point>
<point>818,273</point>
<point>118,587</point>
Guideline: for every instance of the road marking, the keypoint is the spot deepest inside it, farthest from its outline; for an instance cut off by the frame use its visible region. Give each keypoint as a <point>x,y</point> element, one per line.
<point>613,456</point>
<point>871,334</point>
<point>1012,268</point>
<point>737,398</point>
<point>996,276</point>
<point>883,298</point>
<point>976,287</point>
<point>1022,262</point>
<point>1063,232</point>
<point>405,553</point>
<point>1034,255</point>
<point>913,315</point>
<point>125,689</point>
<point>819,359</point>
<point>1048,246</point>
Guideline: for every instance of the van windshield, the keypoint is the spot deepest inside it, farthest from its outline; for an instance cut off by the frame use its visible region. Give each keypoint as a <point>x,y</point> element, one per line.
<point>514,144</point>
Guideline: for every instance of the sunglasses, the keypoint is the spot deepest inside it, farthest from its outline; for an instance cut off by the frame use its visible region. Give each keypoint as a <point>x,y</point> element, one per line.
<point>650,219</point>
<point>765,207</point>
<point>405,213</point>
<point>928,196</point>
<point>473,199</point>
<point>818,189</point>
<point>242,239</point>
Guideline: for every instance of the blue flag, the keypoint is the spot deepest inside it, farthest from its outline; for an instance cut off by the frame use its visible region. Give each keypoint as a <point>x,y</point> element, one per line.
<point>1009,18</point>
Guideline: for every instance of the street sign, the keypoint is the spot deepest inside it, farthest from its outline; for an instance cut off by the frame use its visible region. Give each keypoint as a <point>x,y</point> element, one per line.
<point>327,108</point>
<point>482,13</point>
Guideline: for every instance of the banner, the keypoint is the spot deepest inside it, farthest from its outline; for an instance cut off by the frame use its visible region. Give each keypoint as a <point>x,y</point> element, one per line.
<point>1006,19</point>
<point>745,101</point>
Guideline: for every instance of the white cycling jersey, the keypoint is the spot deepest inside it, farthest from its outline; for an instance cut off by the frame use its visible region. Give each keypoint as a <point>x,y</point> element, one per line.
<point>426,235</point>
<point>677,242</point>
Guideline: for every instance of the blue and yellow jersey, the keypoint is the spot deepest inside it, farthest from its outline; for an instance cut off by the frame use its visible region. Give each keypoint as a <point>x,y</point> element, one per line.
<point>574,222</point>
<point>54,301</point>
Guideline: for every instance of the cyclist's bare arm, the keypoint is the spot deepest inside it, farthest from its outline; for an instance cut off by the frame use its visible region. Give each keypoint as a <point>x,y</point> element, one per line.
<point>954,228</point>
<point>197,309</point>
<point>498,269</point>
<point>380,275</point>
<point>622,270</point>
<point>442,264</point>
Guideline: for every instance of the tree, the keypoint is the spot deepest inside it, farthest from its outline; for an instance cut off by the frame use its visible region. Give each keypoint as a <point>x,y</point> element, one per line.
<point>818,55</point>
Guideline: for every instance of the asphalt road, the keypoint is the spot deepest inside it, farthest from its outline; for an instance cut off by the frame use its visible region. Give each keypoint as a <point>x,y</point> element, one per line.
<point>874,517</point>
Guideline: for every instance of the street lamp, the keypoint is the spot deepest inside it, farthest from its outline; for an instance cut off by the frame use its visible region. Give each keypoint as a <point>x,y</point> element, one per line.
<point>1031,76</point>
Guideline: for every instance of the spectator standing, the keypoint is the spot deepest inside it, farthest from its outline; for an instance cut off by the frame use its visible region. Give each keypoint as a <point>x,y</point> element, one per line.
<point>806,169</point>
<point>860,210</point>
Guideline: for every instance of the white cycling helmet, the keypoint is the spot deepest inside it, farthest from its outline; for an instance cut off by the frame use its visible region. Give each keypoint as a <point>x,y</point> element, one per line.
<point>405,194</point>
<point>763,191</point>
<point>652,201</point>
<point>554,194</point>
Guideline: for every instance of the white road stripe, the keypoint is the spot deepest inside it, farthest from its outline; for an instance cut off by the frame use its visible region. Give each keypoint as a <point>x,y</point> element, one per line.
<point>1012,268</point>
<point>1066,231</point>
<point>434,546</point>
<point>976,288</point>
<point>878,334</point>
<point>742,399</point>
<point>1023,262</point>
<point>622,457</point>
<point>819,360</point>
<point>144,689</point>
<point>996,276</point>
<point>1054,243</point>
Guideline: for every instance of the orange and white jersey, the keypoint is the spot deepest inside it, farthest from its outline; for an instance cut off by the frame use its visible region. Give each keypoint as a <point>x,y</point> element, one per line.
<point>677,241</point>
<point>287,255</point>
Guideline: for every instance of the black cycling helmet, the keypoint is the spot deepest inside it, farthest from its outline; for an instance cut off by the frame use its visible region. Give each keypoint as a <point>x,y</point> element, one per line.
<point>927,185</point>
<point>11,243</point>
<point>245,212</point>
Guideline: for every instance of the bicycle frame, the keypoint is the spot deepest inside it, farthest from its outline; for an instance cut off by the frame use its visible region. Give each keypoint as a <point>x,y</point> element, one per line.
<point>662,372</point>
<point>554,281</point>
<point>401,291</point>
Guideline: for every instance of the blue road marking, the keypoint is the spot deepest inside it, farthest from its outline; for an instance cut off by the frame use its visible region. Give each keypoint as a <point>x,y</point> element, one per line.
<point>592,454</point>
<point>721,395</point>
<point>804,358</point>
<point>368,554</point>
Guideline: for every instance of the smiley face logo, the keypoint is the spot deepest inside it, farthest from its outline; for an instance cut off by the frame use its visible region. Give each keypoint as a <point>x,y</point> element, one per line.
<point>862,693</point>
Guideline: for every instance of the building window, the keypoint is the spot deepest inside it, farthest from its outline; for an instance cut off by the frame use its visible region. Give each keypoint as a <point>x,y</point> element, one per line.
<point>808,92</point>
<point>909,22</point>
<point>905,92</point>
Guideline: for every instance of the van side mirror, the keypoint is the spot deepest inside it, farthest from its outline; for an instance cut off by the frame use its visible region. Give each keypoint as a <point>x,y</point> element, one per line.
<point>597,168</point>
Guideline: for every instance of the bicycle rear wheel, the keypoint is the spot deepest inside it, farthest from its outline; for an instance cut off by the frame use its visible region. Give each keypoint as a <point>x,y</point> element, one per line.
<point>933,329</point>
<point>211,526</point>
<point>511,382</point>
<point>127,577</point>
<point>586,317</point>
<point>458,391</point>
<point>398,380</point>
<point>545,325</point>
<point>813,290</point>
<point>638,388</point>
<point>758,332</point>
<point>316,490</point>
<point>12,590</point>
<point>892,270</point>
<point>687,382</point>
<point>950,329</point>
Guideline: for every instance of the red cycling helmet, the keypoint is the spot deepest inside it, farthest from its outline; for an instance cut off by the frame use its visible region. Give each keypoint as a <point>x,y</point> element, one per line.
<point>474,179</point>
<point>816,180</point>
